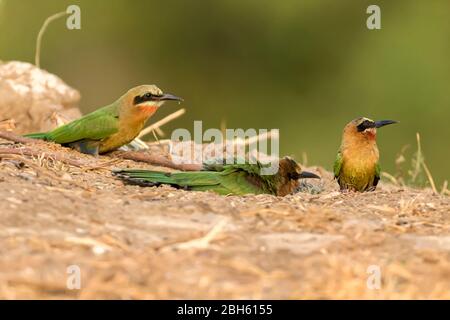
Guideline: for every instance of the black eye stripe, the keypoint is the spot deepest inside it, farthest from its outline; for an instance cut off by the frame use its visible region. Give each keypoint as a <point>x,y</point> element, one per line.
<point>293,175</point>
<point>145,97</point>
<point>138,99</point>
<point>364,125</point>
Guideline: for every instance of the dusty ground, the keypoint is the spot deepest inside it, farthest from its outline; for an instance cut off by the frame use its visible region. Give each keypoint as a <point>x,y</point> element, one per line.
<point>134,242</point>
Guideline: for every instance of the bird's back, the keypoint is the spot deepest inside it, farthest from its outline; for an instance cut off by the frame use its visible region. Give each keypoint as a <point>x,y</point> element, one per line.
<point>95,126</point>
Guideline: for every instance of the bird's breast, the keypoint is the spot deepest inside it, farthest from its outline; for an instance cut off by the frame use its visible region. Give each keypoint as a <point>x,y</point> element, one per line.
<point>359,162</point>
<point>128,131</point>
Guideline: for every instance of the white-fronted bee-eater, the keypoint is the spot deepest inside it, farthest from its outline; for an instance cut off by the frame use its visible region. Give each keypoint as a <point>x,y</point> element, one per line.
<point>356,167</point>
<point>112,126</point>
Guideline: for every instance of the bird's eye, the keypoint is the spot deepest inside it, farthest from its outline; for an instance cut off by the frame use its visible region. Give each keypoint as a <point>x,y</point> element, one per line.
<point>148,95</point>
<point>293,175</point>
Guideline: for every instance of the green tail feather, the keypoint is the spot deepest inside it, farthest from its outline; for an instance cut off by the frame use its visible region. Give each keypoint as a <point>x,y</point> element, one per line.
<point>145,175</point>
<point>180,179</point>
<point>38,135</point>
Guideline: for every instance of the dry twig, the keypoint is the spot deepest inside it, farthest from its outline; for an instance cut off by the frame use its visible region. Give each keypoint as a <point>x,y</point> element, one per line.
<point>162,122</point>
<point>47,21</point>
<point>16,138</point>
<point>156,160</point>
<point>7,124</point>
<point>202,242</point>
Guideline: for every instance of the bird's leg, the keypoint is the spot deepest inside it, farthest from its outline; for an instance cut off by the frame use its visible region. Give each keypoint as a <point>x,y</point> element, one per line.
<point>348,190</point>
<point>86,146</point>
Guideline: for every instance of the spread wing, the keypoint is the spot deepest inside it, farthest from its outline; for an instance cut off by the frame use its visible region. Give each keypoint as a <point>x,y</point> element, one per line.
<point>221,165</point>
<point>94,126</point>
<point>239,178</point>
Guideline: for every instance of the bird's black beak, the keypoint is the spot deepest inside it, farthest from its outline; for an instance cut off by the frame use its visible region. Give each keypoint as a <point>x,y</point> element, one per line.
<point>308,175</point>
<point>382,123</point>
<point>168,96</point>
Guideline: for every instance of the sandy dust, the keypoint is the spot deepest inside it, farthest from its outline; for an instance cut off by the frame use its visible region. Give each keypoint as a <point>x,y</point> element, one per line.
<point>158,243</point>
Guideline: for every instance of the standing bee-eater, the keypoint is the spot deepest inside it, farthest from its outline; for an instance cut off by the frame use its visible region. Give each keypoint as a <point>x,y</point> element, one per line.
<point>237,179</point>
<point>112,126</point>
<point>356,167</point>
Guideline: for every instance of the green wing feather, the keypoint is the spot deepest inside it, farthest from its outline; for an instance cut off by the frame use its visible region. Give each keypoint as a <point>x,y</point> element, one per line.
<point>241,183</point>
<point>244,179</point>
<point>337,164</point>
<point>234,164</point>
<point>377,174</point>
<point>225,179</point>
<point>93,126</point>
<point>377,171</point>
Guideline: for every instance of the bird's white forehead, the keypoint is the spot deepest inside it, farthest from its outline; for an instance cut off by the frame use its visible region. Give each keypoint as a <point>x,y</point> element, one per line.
<point>155,90</point>
<point>140,90</point>
<point>361,120</point>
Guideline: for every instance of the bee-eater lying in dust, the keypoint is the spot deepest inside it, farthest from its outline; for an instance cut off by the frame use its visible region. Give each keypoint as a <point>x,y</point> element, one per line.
<point>237,179</point>
<point>356,167</point>
<point>112,126</point>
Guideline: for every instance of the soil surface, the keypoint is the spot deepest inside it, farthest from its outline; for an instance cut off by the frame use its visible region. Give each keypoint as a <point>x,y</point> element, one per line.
<point>131,242</point>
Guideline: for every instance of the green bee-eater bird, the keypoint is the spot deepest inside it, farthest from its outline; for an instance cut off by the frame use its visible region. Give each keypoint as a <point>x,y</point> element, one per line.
<point>237,179</point>
<point>356,167</point>
<point>112,126</point>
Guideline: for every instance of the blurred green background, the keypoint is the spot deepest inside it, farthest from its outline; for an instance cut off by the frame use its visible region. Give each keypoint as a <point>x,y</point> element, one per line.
<point>304,66</point>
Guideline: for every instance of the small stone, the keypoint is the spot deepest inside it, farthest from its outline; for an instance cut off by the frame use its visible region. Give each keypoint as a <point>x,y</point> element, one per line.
<point>14,200</point>
<point>66,176</point>
<point>98,250</point>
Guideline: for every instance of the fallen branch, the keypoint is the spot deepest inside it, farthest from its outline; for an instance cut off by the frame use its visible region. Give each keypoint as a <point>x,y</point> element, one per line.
<point>7,125</point>
<point>156,160</point>
<point>16,138</point>
<point>129,155</point>
<point>160,142</point>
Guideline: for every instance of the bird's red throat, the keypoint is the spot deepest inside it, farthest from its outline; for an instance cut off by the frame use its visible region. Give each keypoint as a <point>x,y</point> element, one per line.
<point>371,133</point>
<point>148,110</point>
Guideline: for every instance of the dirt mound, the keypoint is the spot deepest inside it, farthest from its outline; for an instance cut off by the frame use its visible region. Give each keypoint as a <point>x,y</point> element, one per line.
<point>35,98</point>
<point>159,242</point>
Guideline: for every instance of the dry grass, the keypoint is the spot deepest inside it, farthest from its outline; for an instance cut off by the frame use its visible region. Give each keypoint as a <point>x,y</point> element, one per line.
<point>50,19</point>
<point>418,174</point>
<point>133,242</point>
